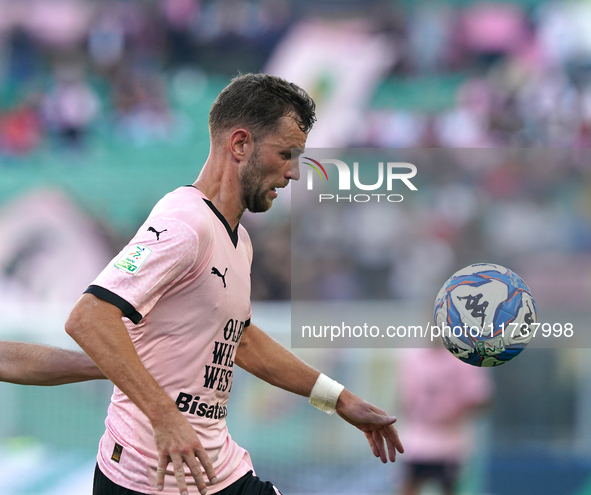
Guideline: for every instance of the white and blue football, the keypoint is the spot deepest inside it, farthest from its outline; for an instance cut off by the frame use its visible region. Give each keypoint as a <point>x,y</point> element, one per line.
<point>486,314</point>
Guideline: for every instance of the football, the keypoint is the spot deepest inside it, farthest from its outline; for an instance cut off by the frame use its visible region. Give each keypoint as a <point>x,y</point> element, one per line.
<point>486,314</point>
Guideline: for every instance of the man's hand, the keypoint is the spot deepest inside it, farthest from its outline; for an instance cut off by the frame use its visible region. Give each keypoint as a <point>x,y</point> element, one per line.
<point>177,442</point>
<point>372,421</point>
<point>263,357</point>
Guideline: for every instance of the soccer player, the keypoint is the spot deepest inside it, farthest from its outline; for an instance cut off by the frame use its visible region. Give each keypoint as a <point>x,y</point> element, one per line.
<point>440,395</point>
<point>167,319</point>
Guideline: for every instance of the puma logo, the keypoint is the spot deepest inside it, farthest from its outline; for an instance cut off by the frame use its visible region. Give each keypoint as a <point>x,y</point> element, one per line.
<point>215,271</point>
<point>152,229</point>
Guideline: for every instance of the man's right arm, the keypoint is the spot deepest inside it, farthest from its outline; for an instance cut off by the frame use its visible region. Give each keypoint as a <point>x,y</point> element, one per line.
<point>97,327</point>
<point>33,364</point>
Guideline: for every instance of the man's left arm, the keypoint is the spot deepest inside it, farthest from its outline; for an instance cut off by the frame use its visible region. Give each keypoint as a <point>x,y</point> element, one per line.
<point>268,360</point>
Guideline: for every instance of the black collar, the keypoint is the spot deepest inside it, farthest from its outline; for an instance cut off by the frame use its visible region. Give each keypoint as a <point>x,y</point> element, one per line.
<point>232,233</point>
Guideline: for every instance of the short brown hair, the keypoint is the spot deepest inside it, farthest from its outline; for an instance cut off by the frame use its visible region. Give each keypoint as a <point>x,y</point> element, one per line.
<point>258,101</point>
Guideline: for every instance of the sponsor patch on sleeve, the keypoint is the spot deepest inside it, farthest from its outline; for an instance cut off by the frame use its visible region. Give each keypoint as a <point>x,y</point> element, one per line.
<point>133,258</point>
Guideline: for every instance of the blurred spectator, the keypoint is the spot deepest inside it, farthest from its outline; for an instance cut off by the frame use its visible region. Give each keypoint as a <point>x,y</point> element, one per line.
<point>181,15</point>
<point>491,30</point>
<point>20,130</point>
<point>141,109</point>
<point>563,32</point>
<point>429,37</point>
<point>106,40</point>
<point>71,107</point>
<point>56,24</point>
<point>23,59</point>
<point>240,35</point>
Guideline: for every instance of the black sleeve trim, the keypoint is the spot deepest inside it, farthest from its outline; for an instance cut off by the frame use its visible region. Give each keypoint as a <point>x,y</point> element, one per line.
<point>106,295</point>
<point>247,323</point>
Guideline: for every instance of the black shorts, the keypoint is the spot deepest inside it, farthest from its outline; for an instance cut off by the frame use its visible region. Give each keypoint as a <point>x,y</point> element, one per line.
<point>249,484</point>
<point>444,473</point>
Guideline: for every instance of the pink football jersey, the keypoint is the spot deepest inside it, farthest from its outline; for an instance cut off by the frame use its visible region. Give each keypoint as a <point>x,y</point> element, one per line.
<point>439,394</point>
<point>183,285</point>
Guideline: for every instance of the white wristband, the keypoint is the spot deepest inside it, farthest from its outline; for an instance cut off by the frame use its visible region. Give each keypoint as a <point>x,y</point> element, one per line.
<point>325,394</point>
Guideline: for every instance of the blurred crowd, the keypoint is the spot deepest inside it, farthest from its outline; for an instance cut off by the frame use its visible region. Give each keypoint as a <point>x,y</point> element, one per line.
<point>527,76</point>
<point>64,64</point>
<point>68,65</point>
<point>524,72</point>
<point>526,209</point>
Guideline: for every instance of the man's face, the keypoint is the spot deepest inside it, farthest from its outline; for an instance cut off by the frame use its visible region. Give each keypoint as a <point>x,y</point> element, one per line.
<point>269,166</point>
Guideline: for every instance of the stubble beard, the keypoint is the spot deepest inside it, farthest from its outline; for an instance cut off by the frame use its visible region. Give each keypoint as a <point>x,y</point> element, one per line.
<point>251,181</point>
